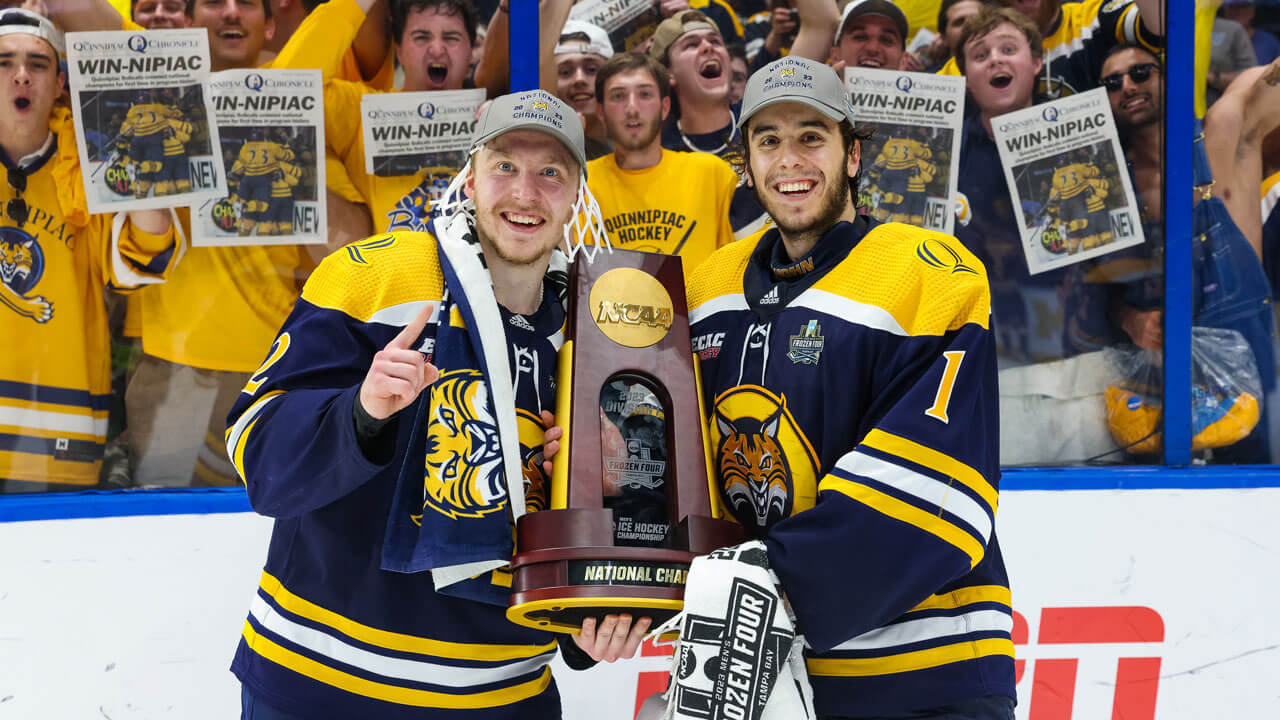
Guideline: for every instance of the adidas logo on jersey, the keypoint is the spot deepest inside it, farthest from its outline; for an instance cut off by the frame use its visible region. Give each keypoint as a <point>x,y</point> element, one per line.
<point>520,322</point>
<point>771,297</point>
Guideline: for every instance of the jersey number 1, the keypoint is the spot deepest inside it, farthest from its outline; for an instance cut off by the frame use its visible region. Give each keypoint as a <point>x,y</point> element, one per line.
<point>943,399</point>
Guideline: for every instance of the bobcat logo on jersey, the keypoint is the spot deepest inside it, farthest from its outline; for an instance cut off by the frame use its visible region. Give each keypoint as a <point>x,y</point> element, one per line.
<point>767,468</point>
<point>537,488</point>
<point>21,267</point>
<point>464,458</point>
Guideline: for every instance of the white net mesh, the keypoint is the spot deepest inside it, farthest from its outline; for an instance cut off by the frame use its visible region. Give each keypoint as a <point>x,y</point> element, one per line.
<point>586,222</point>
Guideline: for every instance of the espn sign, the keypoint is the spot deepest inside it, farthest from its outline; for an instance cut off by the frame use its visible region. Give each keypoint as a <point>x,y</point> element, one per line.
<point>1126,638</point>
<point>1118,647</point>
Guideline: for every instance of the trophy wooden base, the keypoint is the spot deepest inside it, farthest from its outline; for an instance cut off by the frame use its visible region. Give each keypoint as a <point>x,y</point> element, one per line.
<point>557,589</point>
<point>575,573</point>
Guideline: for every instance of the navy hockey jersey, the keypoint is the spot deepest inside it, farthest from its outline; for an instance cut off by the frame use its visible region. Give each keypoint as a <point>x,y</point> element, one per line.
<point>329,633</point>
<point>854,421</point>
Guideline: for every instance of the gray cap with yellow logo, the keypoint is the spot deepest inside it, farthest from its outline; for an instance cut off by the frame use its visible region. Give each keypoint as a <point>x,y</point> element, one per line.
<point>798,80</point>
<point>532,110</point>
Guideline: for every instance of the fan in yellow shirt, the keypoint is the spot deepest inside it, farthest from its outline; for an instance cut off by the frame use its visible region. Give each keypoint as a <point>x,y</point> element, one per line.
<point>653,199</point>
<point>433,41</point>
<point>55,262</point>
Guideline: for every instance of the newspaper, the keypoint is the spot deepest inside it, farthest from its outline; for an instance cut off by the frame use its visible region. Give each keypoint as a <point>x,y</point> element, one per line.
<point>910,164</point>
<point>424,134</point>
<point>628,22</point>
<point>271,123</point>
<point>1065,170</point>
<point>142,118</point>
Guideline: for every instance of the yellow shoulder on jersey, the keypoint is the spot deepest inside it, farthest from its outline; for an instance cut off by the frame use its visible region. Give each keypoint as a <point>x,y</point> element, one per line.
<point>376,273</point>
<point>721,273</point>
<point>928,281</point>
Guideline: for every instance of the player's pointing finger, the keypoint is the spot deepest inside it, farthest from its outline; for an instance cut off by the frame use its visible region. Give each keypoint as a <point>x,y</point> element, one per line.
<point>411,331</point>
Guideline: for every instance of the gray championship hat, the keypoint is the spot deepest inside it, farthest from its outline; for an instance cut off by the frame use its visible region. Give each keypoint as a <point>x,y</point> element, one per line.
<point>798,80</point>
<point>532,110</point>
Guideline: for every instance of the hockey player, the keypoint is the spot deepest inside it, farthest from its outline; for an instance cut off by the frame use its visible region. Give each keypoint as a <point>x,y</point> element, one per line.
<point>55,261</point>
<point>332,436</point>
<point>280,209</point>
<point>644,189</point>
<point>146,126</point>
<point>906,167</point>
<point>175,172</point>
<point>846,355</point>
<point>255,169</point>
<point>854,420</point>
<point>1068,199</point>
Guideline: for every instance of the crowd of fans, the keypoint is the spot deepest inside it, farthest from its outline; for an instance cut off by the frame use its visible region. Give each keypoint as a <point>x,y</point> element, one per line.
<point>190,326</point>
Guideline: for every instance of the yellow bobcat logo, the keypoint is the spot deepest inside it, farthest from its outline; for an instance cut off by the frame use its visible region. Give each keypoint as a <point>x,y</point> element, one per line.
<point>766,467</point>
<point>21,266</point>
<point>754,475</point>
<point>464,458</point>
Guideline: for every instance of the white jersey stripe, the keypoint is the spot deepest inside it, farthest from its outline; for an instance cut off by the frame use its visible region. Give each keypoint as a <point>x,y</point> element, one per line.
<point>53,421</point>
<point>724,303</point>
<point>933,628</point>
<point>243,422</point>
<point>391,667</point>
<point>402,314</point>
<point>935,492</point>
<point>853,311</point>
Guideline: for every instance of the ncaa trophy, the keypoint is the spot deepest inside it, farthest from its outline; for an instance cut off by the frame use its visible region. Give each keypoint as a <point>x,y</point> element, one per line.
<point>632,500</point>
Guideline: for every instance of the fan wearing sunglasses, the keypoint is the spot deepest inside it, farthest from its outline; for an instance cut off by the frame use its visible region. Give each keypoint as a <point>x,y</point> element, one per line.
<point>55,260</point>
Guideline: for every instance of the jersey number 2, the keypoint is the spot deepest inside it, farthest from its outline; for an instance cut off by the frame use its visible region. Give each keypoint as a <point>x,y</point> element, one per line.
<point>943,399</point>
<point>277,351</point>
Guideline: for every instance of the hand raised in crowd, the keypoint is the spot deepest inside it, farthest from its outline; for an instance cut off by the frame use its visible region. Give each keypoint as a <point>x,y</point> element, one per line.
<point>399,373</point>
<point>615,639</point>
<point>911,62</point>
<point>782,27</point>
<point>671,7</point>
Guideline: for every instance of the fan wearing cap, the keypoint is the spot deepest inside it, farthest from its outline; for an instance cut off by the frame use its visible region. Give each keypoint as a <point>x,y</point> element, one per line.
<point>55,261</point>
<point>702,119</point>
<point>578,55</point>
<point>644,189</point>
<point>872,34</point>
<point>855,366</point>
<point>397,428</point>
